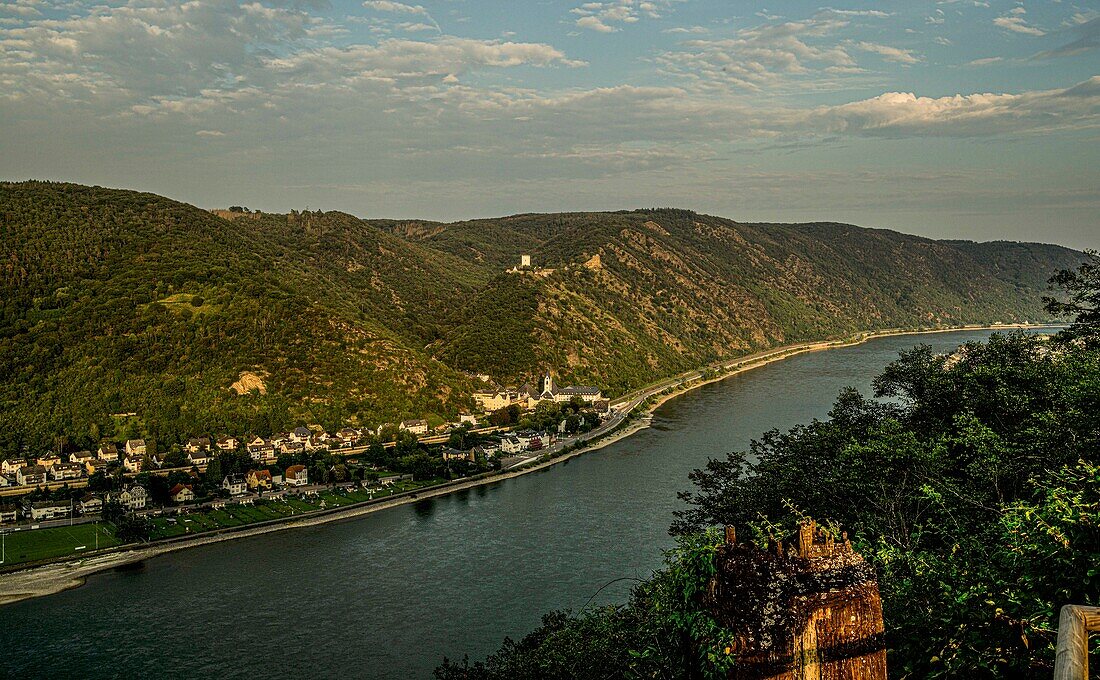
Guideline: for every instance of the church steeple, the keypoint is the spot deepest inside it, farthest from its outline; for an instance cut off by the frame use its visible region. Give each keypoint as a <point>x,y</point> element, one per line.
<point>547,388</point>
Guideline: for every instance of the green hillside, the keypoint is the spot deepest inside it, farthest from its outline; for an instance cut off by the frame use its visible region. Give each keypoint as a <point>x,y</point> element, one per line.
<point>673,290</point>
<point>117,302</point>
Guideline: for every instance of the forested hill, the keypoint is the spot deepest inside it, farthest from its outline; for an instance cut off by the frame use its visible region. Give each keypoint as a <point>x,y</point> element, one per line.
<point>118,302</point>
<point>642,293</point>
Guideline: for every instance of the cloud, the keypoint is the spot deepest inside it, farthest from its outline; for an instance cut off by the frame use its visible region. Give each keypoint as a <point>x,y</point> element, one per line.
<point>239,76</point>
<point>396,7</point>
<point>763,55</point>
<point>1086,28</point>
<point>391,7</point>
<point>1015,22</point>
<point>594,23</point>
<point>895,54</point>
<point>878,14</point>
<point>986,61</point>
<point>205,55</point>
<point>687,30</point>
<point>906,114</point>
<point>610,16</point>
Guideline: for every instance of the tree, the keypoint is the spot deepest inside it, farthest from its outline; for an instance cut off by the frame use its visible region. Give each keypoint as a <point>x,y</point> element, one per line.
<point>113,510</point>
<point>214,474</point>
<point>132,528</point>
<point>1083,290</point>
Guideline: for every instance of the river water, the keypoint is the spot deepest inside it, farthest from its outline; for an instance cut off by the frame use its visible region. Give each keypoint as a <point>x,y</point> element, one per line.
<point>390,594</point>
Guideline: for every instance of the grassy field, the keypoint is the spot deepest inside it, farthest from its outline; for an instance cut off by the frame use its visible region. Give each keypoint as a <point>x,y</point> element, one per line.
<point>235,515</point>
<point>26,545</point>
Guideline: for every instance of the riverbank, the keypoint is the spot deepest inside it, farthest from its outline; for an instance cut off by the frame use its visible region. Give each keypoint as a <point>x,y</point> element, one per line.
<point>55,577</point>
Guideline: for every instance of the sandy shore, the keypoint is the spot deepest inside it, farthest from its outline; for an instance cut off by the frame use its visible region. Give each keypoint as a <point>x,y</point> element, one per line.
<point>54,578</point>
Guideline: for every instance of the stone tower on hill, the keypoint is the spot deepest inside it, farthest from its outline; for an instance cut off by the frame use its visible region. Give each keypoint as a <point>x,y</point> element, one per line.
<point>807,608</point>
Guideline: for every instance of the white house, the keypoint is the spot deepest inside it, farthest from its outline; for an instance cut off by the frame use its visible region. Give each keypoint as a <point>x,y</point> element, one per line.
<point>235,485</point>
<point>90,504</point>
<point>136,447</point>
<point>228,443</point>
<point>30,474</point>
<point>489,448</point>
<point>525,438</point>
<point>200,457</point>
<point>197,444</point>
<point>44,510</point>
<point>9,466</point>
<point>181,493</point>
<point>585,393</point>
<point>81,457</point>
<point>261,449</point>
<point>511,444</point>
<point>297,475</point>
<point>300,435</point>
<point>350,435</point>
<point>108,452</point>
<point>291,447</point>
<point>66,471</point>
<point>417,427</point>
<point>134,498</point>
<point>132,463</point>
<point>48,460</point>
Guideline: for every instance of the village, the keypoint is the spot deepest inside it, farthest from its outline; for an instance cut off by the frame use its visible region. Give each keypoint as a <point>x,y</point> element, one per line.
<point>143,490</point>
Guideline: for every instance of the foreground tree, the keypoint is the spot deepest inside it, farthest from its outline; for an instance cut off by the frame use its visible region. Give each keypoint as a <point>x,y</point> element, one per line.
<point>1082,287</point>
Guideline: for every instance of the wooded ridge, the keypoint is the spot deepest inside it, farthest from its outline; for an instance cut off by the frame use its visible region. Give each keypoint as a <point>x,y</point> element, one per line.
<point>127,314</point>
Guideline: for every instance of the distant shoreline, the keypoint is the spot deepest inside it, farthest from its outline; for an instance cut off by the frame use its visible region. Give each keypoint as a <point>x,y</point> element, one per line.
<point>55,577</point>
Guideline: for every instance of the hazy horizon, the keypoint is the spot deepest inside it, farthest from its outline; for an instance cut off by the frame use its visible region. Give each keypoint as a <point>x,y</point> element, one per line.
<point>535,212</point>
<point>945,118</point>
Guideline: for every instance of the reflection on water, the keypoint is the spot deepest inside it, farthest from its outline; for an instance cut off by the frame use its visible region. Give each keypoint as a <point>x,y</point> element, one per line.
<point>389,594</point>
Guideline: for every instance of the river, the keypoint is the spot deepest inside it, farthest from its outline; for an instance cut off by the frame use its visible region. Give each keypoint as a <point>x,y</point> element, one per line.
<point>389,594</point>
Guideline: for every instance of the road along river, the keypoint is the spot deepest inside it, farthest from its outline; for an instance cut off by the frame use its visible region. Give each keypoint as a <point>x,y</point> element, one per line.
<point>387,595</point>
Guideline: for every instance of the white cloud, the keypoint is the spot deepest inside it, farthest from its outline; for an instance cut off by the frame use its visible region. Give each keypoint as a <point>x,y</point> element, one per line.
<point>205,55</point>
<point>594,23</point>
<point>609,16</point>
<point>906,114</point>
<point>895,54</point>
<point>763,55</point>
<point>1017,24</point>
<point>397,7</point>
<point>696,30</point>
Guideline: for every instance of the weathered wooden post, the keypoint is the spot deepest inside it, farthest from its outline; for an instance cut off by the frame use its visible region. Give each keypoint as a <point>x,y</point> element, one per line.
<point>1071,660</point>
<point>807,608</point>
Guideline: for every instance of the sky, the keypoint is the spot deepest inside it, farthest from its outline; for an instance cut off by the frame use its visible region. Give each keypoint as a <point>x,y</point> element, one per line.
<point>973,119</point>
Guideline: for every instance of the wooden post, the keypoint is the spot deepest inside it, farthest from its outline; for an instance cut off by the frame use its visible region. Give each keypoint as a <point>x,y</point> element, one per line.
<point>1071,660</point>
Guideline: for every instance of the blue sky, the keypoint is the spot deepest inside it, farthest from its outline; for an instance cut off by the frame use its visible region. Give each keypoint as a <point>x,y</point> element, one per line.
<point>951,118</point>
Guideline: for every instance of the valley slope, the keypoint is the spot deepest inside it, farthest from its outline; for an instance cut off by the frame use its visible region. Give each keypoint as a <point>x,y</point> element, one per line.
<point>118,302</point>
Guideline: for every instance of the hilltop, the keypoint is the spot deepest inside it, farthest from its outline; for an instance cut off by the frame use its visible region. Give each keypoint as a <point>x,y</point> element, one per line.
<point>119,302</point>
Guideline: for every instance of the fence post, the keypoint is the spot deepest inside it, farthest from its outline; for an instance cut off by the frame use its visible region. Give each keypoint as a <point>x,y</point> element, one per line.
<point>1071,660</point>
